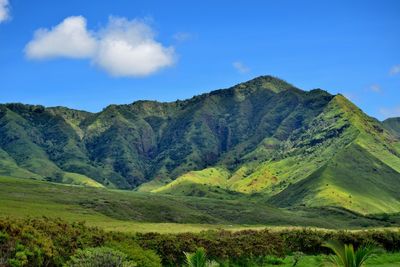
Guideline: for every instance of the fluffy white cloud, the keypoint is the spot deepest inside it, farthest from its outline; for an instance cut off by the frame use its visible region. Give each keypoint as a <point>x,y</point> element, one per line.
<point>128,48</point>
<point>240,67</point>
<point>4,10</point>
<point>69,39</point>
<point>395,70</point>
<point>122,48</point>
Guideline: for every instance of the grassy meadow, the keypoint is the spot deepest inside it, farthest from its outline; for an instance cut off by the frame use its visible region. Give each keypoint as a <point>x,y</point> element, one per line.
<point>385,260</point>
<point>126,211</point>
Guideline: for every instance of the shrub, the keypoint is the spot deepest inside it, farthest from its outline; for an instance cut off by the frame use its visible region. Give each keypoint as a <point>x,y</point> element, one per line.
<point>51,242</point>
<point>44,242</point>
<point>143,258</point>
<point>222,245</point>
<point>100,257</point>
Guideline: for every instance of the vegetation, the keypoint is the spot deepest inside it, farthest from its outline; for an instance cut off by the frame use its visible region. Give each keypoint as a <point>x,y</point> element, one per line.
<point>198,259</point>
<point>393,125</point>
<point>54,242</point>
<point>100,257</point>
<point>345,256</point>
<point>135,211</point>
<point>262,153</point>
<point>249,245</point>
<point>51,242</point>
<point>261,137</point>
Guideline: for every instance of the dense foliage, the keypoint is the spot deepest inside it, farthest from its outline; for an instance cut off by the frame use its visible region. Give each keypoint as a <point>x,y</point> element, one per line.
<point>100,257</point>
<point>53,242</point>
<point>239,247</point>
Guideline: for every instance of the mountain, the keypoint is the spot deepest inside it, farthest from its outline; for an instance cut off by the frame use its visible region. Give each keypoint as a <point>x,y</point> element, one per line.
<point>393,125</point>
<point>264,137</point>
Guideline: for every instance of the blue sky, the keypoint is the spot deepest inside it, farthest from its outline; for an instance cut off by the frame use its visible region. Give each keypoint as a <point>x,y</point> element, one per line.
<point>89,54</point>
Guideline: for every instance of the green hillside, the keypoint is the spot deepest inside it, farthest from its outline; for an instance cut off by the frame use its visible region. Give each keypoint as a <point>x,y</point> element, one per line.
<point>263,137</point>
<point>353,179</point>
<point>343,158</point>
<point>134,211</point>
<point>393,125</point>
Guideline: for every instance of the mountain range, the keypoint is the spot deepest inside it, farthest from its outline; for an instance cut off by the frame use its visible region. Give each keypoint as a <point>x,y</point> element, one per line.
<point>263,138</point>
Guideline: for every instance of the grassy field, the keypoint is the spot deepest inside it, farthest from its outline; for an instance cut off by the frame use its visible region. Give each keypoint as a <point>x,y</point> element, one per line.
<point>384,260</point>
<point>146,212</point>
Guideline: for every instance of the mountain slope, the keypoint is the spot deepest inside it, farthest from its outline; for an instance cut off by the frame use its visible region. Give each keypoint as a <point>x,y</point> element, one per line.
<point>353,179</point>
<point>363,176</point>
<point>393,125</point>
<point>263,136</point>
<point>127,145</point>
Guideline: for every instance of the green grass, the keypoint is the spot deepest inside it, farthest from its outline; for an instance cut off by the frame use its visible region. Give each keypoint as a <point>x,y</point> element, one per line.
<point>383,260</point>
<point>143,212</point>
<point>79,179</point>
<point>393,125</point>
<point>354,179</point>
<point>209,176</point>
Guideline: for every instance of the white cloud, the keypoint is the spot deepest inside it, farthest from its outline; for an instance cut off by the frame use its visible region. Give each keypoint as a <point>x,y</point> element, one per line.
<point>128,48</point>
<point>69,39</point>
<point>375,88</point>
<point>240,67</point>
<point>390,112</point>
<point>122,48</point>
<point>395,70</point>
<point>4,10</point>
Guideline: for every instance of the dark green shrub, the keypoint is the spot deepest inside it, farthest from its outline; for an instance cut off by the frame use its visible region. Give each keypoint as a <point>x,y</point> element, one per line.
<point>100,257</point>
<point>45,242</point>
<point>50,242</point>
<point>221,245</point>
<point>143,258</point>
<point>243,248</point>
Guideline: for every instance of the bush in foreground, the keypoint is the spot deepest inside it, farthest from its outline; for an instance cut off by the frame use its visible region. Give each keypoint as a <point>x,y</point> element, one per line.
<point>199,259</point>
<point>100,257</point>
<point>346,256</point>
<point>51,242</point>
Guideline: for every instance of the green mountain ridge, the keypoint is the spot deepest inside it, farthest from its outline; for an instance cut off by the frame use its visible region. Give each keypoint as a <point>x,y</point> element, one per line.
<point>264,137</point>
<point>393,125</point>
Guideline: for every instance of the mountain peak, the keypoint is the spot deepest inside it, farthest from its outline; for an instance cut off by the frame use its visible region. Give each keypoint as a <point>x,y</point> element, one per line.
<point>268,82</point>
